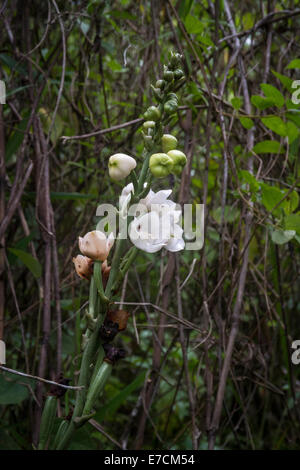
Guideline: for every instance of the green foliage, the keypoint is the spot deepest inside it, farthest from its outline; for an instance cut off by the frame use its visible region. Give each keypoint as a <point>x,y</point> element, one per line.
<point>242,149</point>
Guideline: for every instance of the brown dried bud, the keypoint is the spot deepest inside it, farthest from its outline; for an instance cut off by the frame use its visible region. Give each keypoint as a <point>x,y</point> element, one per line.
<point>108,330</point>
<point>83,266</point>
<point>120,317</point>
<point>112,353</point>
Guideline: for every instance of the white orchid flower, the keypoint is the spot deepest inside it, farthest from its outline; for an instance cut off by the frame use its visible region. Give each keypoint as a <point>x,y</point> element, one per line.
<point>158,226</point>
<point>125,197</point>
<point>96,245</point>
<point>120,165</point>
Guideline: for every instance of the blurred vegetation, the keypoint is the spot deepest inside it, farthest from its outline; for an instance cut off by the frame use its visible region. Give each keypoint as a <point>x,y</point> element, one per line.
<point>73,68</point>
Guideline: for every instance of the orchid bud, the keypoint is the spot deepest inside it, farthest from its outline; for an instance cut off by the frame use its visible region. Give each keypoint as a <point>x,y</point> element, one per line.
<point>170,107</point>
<point>168,75</point>
<point>120,166</point>
<point>179,160</point>
<point>152,114</point>
<point>120,317</point>
<point>160,164</point>
<point>160,84</point>
<point>169,142</point>
<point>148,125</point>
<point>83,266</point>
<point>178,74</point>
<point>96,245</point>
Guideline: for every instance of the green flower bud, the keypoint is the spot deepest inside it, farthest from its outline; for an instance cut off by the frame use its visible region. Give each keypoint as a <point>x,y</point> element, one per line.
<point>152,114</point>
<point>149,125</point>
<point>160,165</point>
<point>157,93</point>
<point>170,107</point>
<point>168,75</point>
<point>175,60</point>
<point>172,97</point>
<point>169,142</point>
<point>179,160</point>
<point>178,73</point>
<point>160,84</point>
<point>179,83</point>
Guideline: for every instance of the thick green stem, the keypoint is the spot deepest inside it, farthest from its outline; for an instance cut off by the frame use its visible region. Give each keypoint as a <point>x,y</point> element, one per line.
<point>85,371</point>
<point>96,387</point>
<point>98,363</point>
<point>47,422</point>
<point>115,265</point>
<point>98,280</point>
<point>144,171</point>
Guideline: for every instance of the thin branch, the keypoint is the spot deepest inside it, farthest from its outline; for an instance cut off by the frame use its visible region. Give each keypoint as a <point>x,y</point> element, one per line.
<point>40,379</point>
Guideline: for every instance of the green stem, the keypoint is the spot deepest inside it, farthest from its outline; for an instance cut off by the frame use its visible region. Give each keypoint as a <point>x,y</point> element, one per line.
<point>115,265</point>
<point>98,363</point>
<point>126,263</point>
<point>98,281</point>
<point>47,421</point>
<point>144,170</point>
<point>134,180</point>
<point>93,297</point>
<point>96,387</point>
<point>85,371</point>
<point>83,381</point>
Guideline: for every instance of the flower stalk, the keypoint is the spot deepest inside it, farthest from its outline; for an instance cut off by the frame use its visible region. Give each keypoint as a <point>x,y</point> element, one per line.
<point>103,323</point>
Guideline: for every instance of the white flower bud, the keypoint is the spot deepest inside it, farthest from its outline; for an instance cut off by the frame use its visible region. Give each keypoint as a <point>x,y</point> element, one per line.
<point>96,245</point>
<point>83,266</point>
<point>120,166</point>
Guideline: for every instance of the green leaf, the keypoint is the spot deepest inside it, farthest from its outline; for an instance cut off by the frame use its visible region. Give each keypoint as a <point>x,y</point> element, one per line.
<point>31,263</point>
<point>230,214</point>
<point>272,93</point>
<point>113,405</point>
<point>16,139</point>
<point>291,202</point>
<point>184,8</point>
<point>236,102</point>
<point>12,393</point>
<point>248,178</point>
<point>292,131</point>
<point>193,25</point>
<point>262,103</point>
<point>268,146</point>
<point>271,196</point>
<point>248,20</point>
<point>71,196</point>
<point>294,64</point>
<point>286,81</point>
<point>292,222</point>
<point>13,64</point>
<point>282,236</point>
<point>247,123</point>
<point>58,125</point>
<point>275,124</point>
